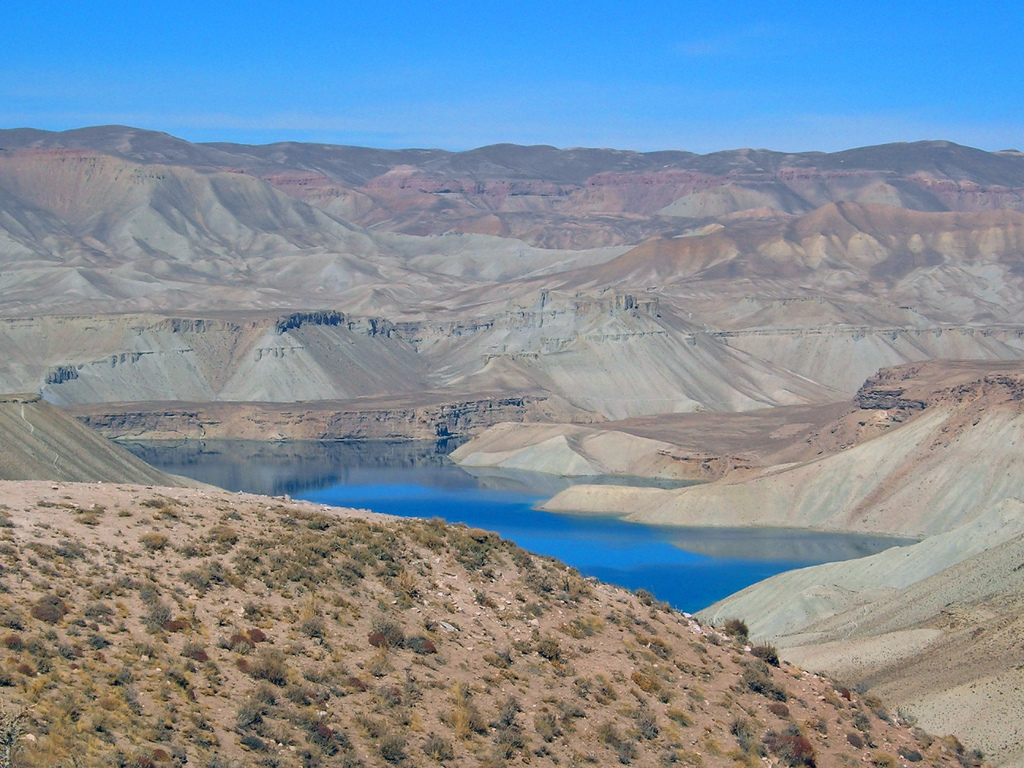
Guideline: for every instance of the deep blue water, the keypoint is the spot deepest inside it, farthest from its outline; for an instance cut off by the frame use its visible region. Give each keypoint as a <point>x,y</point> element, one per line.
<point>689,568</point>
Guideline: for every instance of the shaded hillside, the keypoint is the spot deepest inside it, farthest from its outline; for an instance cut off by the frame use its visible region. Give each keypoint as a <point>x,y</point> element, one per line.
<point>40,442</point>
<point>149,626</point>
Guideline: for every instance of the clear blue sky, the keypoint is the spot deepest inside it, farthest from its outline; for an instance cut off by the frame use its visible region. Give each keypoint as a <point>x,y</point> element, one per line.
<point>700,76</point>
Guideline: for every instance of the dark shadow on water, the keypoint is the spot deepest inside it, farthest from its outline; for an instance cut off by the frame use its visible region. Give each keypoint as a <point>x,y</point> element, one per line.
<point>688,567</point>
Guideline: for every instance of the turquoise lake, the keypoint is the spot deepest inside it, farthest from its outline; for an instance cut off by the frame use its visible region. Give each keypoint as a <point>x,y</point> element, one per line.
<point>687,567</point>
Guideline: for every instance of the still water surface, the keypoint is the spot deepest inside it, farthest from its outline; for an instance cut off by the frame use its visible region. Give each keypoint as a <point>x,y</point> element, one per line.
<point>690,568</point>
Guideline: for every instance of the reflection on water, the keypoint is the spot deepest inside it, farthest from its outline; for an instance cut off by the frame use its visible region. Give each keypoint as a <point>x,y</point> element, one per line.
<point>279,468</point>
<point>688,567</point>
<point>782,543</point>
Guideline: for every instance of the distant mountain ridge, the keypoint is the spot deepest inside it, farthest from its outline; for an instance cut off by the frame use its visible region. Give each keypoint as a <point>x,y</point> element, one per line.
<point>621,283</point>
<point>489,189</point>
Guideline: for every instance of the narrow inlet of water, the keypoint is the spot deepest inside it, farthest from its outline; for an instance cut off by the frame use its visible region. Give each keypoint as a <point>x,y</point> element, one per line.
<point>687,567</point>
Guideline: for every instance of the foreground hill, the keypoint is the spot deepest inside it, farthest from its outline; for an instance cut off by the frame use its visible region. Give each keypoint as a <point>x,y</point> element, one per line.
<point>153,626</point>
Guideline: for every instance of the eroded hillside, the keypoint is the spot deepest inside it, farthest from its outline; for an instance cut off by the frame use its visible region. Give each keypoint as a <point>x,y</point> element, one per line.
<point>138,267</point>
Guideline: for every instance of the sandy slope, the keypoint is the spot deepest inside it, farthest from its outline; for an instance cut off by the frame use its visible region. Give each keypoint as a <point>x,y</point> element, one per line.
<point>916,478</point>
<point>935,628</point>
<point>40,442</point>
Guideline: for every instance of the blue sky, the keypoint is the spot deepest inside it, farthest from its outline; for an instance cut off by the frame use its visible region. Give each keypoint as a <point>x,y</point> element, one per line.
<point>702,76</point>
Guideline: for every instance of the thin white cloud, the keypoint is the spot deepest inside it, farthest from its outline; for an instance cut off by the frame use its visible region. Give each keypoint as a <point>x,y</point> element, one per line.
<point>733,43</point>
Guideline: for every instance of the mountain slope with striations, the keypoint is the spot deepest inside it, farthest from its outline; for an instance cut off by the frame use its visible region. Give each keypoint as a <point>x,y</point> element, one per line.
<point>135,266</point>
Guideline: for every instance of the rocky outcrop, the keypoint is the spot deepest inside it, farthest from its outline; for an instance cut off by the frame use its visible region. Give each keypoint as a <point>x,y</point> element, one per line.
<point>398,419</point>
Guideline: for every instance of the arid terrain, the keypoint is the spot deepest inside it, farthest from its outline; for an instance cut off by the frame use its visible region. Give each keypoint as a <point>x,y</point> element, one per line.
<point>827,341</point>
<point>164,626</point>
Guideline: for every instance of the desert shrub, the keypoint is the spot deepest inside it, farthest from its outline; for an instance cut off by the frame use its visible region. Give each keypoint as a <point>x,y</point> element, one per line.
<point>583,626</point>
<point>549,648</point>
<point>153,542</point>
<point>625,748</point>
<point>224,536</point>
<point>159,614</point>
<point>438,747</point>
<point>97,641</point>
<point>680,717</point>
<point>328,739</point>
<point>646,723</point>
<point>791,748</point>
<point>99,612</point>
<point>855,740</point>
<point>253,742</point>
<point>195,651</point>
<point>500,660</point>
<point>465,718</point>
<point>379,664</point>
<point>778,709</point>
<point>269,665</point>
<point>603,690</point>
<point>392,748</point>
<point>205,576</point>
<point>758,679</point>
<point>911,755</point>
<point>546,726</point>
<point>192,548</point>
<point>508,740</point>
<point>391,632</point>
<point>355,683</point>
<point>314,626</point>
<point>13,642</point>
<point>646,680</point>
<point>420,644</point>
<point>644,597</point>
<point>736,628</point>
<point>49,608</point>
<point>883,760</point>
<point>745,732</point>
<point>767,653</point>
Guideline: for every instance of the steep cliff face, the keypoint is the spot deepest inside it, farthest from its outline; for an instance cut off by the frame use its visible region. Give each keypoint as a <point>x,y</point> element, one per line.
<point>424,417</point>
<point>284,358</point>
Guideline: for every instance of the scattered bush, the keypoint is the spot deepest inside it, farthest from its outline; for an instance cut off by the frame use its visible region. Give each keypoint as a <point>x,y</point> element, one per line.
<point>49,608</point>
<point>269,665</point>
<point>549,648</point>
<point>758,678</point>
<point>546,726</point>
<point>737,628</point>
<point>438,747</point>
<point>392,748</point>
<point>390,632</point>
<point>153,542</point>
<point>420,644</point>
<point>792,748</point>
<point>767,653</point>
